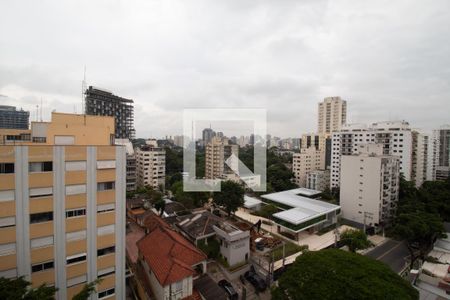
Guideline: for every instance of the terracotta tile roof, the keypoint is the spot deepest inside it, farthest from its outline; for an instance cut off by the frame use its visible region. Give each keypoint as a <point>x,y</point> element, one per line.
<point>151,221</point>
<point>169,255</point>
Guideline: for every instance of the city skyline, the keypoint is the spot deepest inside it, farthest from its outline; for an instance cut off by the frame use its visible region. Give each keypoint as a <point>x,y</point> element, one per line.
<point>282,57</point>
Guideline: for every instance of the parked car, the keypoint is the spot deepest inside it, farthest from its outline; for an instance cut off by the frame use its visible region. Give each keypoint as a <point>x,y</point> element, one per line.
<point>231,292</point>
<point>258,283</point>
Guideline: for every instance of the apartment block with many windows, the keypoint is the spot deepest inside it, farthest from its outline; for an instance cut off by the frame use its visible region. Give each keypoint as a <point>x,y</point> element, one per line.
<point>332,115</point>
<point>415,151</point>
<point>369,186</point>
<point>151,166</point>
<point>62,208</point>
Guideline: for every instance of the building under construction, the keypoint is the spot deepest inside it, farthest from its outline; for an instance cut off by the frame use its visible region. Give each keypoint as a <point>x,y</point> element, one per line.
<point>104,103</point>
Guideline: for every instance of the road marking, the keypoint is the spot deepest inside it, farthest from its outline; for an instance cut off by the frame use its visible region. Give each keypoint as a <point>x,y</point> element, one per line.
<point>390,250</point>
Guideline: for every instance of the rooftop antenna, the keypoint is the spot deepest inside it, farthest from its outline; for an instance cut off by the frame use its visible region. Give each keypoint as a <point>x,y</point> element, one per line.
<point>41,109</point>
<point>83,90</point>
<point>37,112</point>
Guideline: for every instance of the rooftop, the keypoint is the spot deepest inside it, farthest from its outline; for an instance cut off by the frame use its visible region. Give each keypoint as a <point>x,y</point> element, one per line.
<point>300,208</point>
<point>170,256</point>
<point>250,202</point>
<point>198,225</point>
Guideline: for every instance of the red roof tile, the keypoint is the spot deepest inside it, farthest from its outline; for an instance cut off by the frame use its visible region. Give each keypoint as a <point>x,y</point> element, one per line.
<point>169,255</point>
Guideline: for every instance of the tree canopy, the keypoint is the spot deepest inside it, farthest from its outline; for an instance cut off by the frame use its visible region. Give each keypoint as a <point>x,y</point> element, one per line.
<point>420,214</point>
<point>231,196</point>
<point>19,289</point>
<point>355,239</point>
<point>336,274</point>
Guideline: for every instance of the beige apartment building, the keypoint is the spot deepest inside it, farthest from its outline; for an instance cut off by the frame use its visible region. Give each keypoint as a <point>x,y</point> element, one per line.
<point>151,166</point>
<point>369,185</point>
<point>62,206</point>
<point>218,150</point>
<point>306,161</point>
<point>332,115</point>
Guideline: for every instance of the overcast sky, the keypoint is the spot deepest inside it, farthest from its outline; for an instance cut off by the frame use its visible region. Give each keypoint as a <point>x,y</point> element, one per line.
<point>388,59</point>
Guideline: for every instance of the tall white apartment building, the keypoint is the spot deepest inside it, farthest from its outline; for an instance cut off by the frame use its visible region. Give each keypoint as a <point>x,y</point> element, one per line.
<point>442,137</point>
<point>332,115</point>
<point>151,166</point>
<point>218,150</point>
<point>369,185</point>
<point>306,161</point>
<point>413,149</point>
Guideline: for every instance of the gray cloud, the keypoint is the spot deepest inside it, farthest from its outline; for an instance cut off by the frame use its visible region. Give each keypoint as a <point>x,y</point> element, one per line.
<point>388,59</point>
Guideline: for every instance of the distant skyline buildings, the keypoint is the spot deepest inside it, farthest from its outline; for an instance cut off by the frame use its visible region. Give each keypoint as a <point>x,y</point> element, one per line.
<point>13,118</point>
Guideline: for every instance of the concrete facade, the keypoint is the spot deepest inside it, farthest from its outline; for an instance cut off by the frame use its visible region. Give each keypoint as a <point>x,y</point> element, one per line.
<point>332,115</point>
<point>369,186</point>
<point>62,214</point>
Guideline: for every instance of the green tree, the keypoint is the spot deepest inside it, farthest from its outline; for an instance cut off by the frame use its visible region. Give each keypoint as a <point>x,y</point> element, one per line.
<point>355,239</point>
<point>420,229</point>
<point>87,290</point>
<point>19,289</point>
<point>231,196</point>
<point>189,199</point>
<point>336,274</point>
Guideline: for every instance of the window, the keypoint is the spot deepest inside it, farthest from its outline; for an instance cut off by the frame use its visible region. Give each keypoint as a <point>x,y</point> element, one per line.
<point>7,249</point>
<point>105,208</point>
<point>108,229</point>
<point>42,242</point>
<point>7,222</point>
<point>42,266</point>
<point>106,164</point>
<point>46,166</point>
<point>103,186</point>
<point>76,280</point>
<point>7,195</point>
<point>75,165</point>
<point>76,235</point>
<point>75,189</point>
<point>6,168</point>
<point>106,293</point>
<point>41,192</point>
<point>106,272</point>
<point>75,212</point>
<point>76,258</point>
<point>41,217</point>
<point>106,251</point>
<point>11,273</point>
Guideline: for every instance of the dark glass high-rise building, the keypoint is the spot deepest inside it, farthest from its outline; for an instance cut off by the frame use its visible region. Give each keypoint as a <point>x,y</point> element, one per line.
<point>12,118</point>
<point>104,103</point>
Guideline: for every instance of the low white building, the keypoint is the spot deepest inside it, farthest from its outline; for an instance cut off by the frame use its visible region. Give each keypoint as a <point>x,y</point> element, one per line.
<point>300,211</point>
<point>234,243</point>
<point>369,186</point>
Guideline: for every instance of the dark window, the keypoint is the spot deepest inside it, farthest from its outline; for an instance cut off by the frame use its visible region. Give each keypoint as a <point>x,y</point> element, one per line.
<point>6,168</point>
<point>42,266</point>
<point>75,213</point>
<point>103,294</point>
<point>46,166</point>
<point>103,186</point>
<point>105,251</point>
<point>76,259</point>
<point>41,217</point>
<point>106,274</point>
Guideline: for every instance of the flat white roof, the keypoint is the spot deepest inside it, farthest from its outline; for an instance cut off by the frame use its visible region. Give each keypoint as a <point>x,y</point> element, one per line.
<point>303,208</point>
<point>250,202</point>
